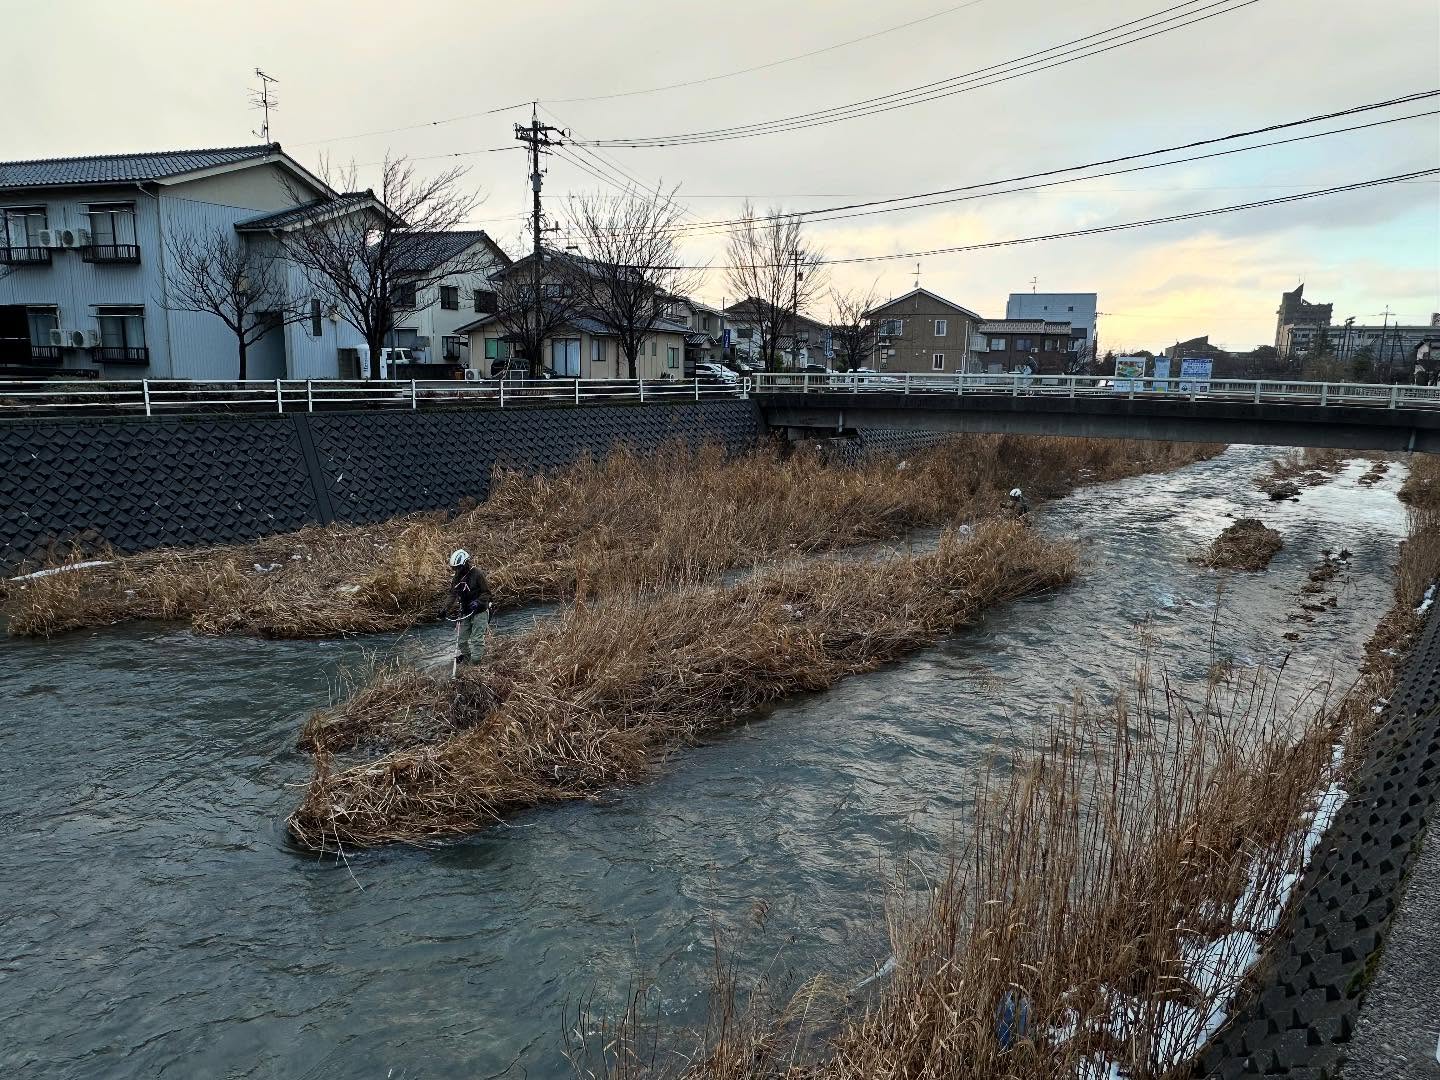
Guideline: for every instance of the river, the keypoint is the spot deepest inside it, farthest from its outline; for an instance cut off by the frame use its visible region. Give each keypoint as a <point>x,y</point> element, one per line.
<point>156,924</point>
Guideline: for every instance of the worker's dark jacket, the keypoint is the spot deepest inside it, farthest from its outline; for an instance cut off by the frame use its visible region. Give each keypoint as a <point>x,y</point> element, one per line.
<point>470,590</point>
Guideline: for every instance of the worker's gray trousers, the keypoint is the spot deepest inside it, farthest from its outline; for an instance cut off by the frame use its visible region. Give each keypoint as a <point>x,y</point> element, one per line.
<point>470,636</point>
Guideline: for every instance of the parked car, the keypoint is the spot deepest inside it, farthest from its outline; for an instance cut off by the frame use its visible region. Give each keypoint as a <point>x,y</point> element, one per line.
<point>817,369</point>
<point>709,371</point>
<point>871,377</point>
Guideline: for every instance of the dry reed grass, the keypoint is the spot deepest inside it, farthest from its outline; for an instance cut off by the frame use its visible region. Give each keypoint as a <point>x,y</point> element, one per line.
<point>675,517</point>
<point>1311,467</point>
<point>597,696</point>
<point>1246,545</point>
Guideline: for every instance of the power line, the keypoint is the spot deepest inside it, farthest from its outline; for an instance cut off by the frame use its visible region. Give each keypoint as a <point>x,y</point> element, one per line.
<point>769,64</point>
<point>1102,229</point>
<point>413,127</point>
<point>1100,42</point>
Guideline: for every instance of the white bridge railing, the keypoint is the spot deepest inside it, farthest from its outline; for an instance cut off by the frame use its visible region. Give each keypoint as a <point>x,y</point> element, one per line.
<point>1290,392</point>
<point>150,396</point>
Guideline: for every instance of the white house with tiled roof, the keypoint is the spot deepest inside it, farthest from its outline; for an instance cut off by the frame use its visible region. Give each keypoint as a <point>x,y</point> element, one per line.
<point>83,287</point>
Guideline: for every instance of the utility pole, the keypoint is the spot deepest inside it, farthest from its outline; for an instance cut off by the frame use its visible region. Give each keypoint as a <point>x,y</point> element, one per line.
<point>795,312</point>
<point>264,100</point>
<point>536,136</point>
<point>1385,345</point>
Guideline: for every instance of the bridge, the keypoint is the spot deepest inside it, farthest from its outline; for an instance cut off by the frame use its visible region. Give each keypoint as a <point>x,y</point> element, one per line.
<point>1348,416</point>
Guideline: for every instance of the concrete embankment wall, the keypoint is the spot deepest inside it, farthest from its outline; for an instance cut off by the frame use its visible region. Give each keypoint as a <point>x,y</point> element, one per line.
<point>141,483</point>
<point>138,483</point>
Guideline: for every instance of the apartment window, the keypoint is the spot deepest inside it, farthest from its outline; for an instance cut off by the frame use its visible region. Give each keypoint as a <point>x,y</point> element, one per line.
<point>316,326</point>
<point>892,327</point>
<point>122,335</point>
<point>450,297</point>
<point>112,233</point>
<point>1050,344</point>
<point>403,295</point>
<point>20,235</point>
<point>597,350</point>
<point>42,320</point>
<point>654,347</point>
<point>485,301</point>
<point>556,290</point>
<point>1070,308</point>
<point>942,327</point>
<point>937,361</point>
<point>997,344</point>
<point>1023,344</point>
<point>672,357</point>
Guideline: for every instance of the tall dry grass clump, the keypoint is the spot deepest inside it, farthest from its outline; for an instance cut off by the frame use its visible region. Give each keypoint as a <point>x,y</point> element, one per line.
<point>674,517</point>
<point>597,696</point>
<point>1248,544</point>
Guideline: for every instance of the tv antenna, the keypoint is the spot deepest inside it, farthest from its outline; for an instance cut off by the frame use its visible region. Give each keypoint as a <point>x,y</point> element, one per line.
<point>264,100</point>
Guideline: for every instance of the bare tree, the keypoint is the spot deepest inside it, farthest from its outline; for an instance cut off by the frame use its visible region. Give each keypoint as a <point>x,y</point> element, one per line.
<point>532,305</point>
<point>775,272</point>
<point>850,327</point>
<point>240,282</point>
<point>367,261</point>
<point>629,263</point>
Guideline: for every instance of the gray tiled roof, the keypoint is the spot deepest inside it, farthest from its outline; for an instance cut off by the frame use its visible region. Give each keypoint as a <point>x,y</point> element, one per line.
<point>122,168</point>
<point>427,250</point>
<point>281,218</point>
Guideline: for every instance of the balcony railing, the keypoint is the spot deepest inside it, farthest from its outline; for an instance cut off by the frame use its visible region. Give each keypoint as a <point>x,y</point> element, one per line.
<point>111,253</point>
<point>19,256</point>
<point>45,352</point>
<point>122,354</point>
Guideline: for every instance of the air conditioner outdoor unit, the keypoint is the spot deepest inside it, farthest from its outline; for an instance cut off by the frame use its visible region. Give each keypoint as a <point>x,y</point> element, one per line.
<point>48,238</point>
<point>75,238</point>
<point>57,338</point>
<point>471,375</point>
<point>79,339</point>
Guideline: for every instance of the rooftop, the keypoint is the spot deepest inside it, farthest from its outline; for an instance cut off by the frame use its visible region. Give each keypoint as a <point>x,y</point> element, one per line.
<point>125,168</point>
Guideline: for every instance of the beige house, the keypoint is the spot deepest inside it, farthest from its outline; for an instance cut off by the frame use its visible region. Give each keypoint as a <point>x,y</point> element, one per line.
<point>585,350</point>
<point>924,332</point>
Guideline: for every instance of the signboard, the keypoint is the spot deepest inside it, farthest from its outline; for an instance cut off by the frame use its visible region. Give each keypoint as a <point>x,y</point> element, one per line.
<point>1129,373</point>
<point>725,338</point>
<point>1162,374</point>
<point>1195,375</point>
<point>829,340</point>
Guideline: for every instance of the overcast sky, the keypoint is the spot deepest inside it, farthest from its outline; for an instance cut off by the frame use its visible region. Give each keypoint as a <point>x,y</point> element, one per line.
<point>158,75</point>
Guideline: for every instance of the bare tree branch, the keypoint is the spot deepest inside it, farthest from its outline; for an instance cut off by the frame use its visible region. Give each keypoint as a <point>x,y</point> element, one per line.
<point>366,262</point>
<point>240,282</point>
<point>533,304</point>
<point>775,272</point>
<point>850,327</point>
<point>629,263</point>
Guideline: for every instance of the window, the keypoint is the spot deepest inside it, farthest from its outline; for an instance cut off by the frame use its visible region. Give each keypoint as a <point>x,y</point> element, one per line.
<point>485,301</point>
<point>41,321</point>
<point>745,333</point>
<point>1023,344</point>
<point>597,350</point>
<point>112,233</point>
<point>1049,344</point>
<point>495,349</point>
<point>122,335</point>
<point>892,327</point>
<point>672,357</point>
<point>654,347</point>
<point>1070,308</point>
<point>942,327</point>
<point>997,344</point>
<point>556,290</point>
<point>452,345</point>
<point>937,361</point>
<point>403,295</point>
<point>316,326</point>
<point>20,235</point>
<point>450,297</point>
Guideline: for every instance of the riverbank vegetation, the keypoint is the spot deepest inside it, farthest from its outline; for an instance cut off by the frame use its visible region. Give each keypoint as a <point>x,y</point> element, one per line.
<point>668,519</point>
<point>1295,469</point>
<point>598,695</point>
<point>1248,544</point>
<point>1100,912</point>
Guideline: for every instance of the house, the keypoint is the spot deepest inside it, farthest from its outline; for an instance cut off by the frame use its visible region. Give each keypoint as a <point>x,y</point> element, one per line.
<point>743,319</point>
<point>429,317</point>
<point>83,286</point>
<point>923,331</point>
<point>1077,309</point>
<point>705,331</point>
<point>1011,344</point>
<point>585,349</point>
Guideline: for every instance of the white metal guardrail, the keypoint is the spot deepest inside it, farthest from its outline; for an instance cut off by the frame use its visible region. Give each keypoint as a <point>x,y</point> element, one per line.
<point>1289,392</point>
<point>148,397</point>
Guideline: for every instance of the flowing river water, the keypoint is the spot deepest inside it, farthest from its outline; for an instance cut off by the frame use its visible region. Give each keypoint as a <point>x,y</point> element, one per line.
<point>157,924</point>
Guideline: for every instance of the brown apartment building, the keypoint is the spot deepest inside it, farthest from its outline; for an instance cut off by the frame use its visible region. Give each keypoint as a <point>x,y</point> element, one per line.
<point>1011,344</point>
<point>924,332</point>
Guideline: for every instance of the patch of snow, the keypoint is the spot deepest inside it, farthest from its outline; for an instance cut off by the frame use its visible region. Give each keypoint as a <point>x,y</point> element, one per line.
<point>266,568</point>
<point>1425,603</point>
<point>62,569</point>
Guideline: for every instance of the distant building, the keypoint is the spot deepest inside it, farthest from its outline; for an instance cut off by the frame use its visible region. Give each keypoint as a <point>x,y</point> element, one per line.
<point>428,320</point>
<point>1391,344</point>
<point>1078,309</point>
<point>743,319</point>
<point>922,331</point>
<point>1298,323</point>
<point>1011,344</point>
<point>1197,347</point>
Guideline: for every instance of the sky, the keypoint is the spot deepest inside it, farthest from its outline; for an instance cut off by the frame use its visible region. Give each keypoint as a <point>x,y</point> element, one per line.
<point>152,75</point>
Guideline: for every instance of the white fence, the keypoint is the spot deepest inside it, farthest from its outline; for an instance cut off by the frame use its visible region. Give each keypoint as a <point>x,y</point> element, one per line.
<point>1380,395</point>
<point>150,396</point>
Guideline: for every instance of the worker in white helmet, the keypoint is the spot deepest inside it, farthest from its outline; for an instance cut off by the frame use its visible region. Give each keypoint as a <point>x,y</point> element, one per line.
<point>1018,506</point>
<point>470,599</point>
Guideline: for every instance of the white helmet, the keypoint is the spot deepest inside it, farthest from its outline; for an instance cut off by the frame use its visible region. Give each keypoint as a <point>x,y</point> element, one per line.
<point>1015,493</point>
<point>459,558</point>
